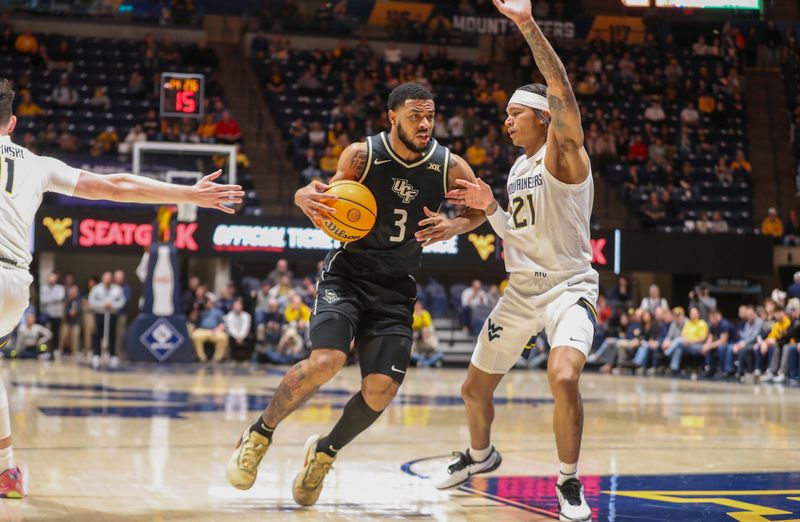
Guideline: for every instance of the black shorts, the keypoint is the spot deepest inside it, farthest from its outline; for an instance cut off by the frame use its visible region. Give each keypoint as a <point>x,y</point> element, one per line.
<point>377,315</point>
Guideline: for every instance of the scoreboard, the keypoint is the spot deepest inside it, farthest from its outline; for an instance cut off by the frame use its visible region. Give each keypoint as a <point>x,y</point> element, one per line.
<point>182,95</point>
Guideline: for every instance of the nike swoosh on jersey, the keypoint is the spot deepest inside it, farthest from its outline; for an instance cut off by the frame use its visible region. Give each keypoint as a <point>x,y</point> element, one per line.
<point>396,370</point>
<point>576,340</point>
<point>381,162</point>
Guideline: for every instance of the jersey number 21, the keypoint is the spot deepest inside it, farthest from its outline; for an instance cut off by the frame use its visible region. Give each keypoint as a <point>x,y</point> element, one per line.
<point>517,208</point>
<point>7,175</point>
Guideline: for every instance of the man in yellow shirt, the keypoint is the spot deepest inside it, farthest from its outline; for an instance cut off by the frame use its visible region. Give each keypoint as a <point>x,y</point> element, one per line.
<point>476,154</point>
<point>772,224</point>
<point>27,107</point>
<point>693,337</point>
<point>706,103</point>
<point>297,312</point>
<point>26,43</point>
<point>328,162</point>
<point>768,346</point>
<point>425,342</point>
<point>741,163</point>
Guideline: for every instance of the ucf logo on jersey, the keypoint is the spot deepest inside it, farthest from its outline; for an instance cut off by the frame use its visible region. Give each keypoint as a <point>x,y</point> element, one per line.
<point>404,189</point>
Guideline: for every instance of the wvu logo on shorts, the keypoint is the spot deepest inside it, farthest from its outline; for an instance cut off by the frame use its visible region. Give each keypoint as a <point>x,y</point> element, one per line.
<point>483,244</point>
<point>404,189</point>
<point>61,229</point>
<point>330,296</point>
<point>437,167</point>
<point>494,330</point>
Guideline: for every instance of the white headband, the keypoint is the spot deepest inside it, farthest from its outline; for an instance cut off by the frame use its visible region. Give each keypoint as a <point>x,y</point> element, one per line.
<point>530,99</point>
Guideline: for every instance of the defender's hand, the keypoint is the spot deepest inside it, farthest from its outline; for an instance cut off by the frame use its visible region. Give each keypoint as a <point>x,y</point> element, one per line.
<point>207,194</point>
<point>473,195</point>
<point>517,10</point>
<point>439,228</point>
<point>311,200</point>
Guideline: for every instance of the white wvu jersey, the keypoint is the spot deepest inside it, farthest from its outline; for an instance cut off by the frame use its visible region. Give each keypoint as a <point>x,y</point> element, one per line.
<point>549,230</point>
<point>24,178</point>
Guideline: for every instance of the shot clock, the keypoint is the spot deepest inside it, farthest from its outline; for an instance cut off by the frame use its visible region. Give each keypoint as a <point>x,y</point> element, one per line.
<point>182,95</point>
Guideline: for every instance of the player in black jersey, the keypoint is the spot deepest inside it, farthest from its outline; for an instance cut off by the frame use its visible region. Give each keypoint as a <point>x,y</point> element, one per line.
<point>365,290</point>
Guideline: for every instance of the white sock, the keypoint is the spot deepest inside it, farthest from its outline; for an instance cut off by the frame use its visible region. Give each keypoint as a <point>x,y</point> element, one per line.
<point>7,458</point>
<point>480,455</point>
<point>566,472</point>
<point>6,454</point>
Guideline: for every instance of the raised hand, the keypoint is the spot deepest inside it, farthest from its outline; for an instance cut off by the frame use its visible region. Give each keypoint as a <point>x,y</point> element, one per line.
<point>207,194</point>
<point>473,195</point>
<point>311,200</point>
<point>517,10</point>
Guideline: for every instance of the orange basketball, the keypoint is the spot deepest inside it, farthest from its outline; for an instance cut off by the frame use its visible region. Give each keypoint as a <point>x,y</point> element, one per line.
<point>355,211</point>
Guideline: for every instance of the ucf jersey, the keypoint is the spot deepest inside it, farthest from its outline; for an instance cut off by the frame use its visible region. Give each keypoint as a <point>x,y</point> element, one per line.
<point>401,192</point>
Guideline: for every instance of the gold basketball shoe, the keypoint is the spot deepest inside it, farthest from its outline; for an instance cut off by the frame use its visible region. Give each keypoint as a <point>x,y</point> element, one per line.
<point>308,483</point>
<point>243,465</point>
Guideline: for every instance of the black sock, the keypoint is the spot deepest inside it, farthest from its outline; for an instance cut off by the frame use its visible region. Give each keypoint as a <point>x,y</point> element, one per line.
<point>357,417</point>
<point>262,429</point>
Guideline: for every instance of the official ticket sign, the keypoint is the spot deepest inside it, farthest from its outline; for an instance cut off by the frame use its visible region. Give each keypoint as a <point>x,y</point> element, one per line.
<point>182,95</point>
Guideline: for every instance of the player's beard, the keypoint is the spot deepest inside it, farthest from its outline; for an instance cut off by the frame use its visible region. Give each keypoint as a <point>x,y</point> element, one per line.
<point>408,141</point>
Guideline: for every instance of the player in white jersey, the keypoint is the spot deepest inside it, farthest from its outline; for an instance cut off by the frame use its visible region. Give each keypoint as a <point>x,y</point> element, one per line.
<point>24,178</point>
<point>552,287</point>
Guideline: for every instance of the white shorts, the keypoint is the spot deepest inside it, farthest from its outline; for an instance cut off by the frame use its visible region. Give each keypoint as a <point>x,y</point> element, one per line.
<point>14,297</point>
<point>563,308</point>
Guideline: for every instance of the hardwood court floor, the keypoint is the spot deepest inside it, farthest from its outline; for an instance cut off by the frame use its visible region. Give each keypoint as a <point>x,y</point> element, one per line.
<point>151,443</point>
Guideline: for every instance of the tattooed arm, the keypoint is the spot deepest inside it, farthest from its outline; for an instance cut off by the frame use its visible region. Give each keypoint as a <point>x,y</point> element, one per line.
<point>311,200</point>
<point>566,157</point>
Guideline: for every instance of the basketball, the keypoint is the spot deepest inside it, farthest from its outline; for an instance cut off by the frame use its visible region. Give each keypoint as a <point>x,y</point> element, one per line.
<point>356,210</point>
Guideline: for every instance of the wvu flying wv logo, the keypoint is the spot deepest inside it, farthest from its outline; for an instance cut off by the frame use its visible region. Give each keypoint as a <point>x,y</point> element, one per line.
<point>404,189</point>
<point>61,229</point>
<point>494,330</point>
<point>483,244</point>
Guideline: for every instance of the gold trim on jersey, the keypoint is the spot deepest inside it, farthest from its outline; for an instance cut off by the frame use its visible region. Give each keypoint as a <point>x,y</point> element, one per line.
<point>400,161</point>
<point>446,168</point>
<point>369,161</point>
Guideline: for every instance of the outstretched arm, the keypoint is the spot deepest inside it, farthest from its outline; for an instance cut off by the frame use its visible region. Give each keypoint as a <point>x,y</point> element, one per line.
<point>440,228</point>
<point>568,159</point>
<point>129,188</point>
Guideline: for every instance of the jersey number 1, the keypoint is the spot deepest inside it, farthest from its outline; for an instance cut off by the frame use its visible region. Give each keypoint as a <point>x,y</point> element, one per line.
<point>8,186</point>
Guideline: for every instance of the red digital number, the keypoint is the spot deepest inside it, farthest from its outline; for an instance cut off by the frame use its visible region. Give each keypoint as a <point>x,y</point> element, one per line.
<point>185,102</point>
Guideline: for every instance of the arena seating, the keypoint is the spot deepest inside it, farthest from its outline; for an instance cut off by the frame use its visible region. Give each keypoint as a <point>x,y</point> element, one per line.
<point>457,91</point>
<point>107,63</point>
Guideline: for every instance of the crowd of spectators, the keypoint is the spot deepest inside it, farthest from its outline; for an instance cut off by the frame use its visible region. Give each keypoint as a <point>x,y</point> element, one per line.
<point>97,97</point>
<point>662,122</point>
<point>61,80</point>
<point>75,321</point>
<point>267,321</point>
<point>326,100</point>
<point>344,18</point>
<point>162,12</point>
<point>758,344</point>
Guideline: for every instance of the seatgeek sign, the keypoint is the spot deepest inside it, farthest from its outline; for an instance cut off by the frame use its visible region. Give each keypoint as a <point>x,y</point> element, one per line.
<point>93,230</point>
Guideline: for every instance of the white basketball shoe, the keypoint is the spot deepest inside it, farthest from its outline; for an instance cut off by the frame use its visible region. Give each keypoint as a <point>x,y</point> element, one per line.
<point>572,504</point>
<point>460,469</point>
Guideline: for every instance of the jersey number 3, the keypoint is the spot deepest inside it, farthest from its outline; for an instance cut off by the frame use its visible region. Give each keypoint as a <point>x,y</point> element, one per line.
<point>517,206</point>
<point>400,224</point>
<point>7,172</point>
